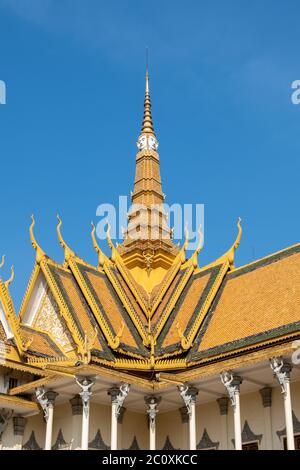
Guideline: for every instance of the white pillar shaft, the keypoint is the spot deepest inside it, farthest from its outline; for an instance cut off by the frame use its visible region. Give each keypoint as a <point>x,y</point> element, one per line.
<point>76,431</point>
<point>85,428</point>
<point>237,422</point>
<point>49,426</point>
<point>114,427</point>
<point>268,428</point>
<point>289,418</point>
<point>224,433</point>
<point>192,425</point>
<point>152,436</point>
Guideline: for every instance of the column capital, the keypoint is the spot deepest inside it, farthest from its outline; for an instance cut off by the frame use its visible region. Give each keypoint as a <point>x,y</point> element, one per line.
<point>223,405</point>
<point>232,384</point>
<point>77,405</point>
<point>19,423</point>
<point>51,396</point>
<point>188,394</point>
<point>118,395</point>
<point>282,371</point>
<point>266,396</point>
<point>152,400</point>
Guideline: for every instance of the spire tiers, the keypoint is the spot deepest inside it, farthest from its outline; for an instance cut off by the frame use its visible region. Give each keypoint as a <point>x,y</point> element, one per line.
<point>147,138</point>
<point>148,231</point>
<point>147,125</point>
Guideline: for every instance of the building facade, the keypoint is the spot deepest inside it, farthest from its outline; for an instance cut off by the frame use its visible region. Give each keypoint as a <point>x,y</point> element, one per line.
<point>148,349</point>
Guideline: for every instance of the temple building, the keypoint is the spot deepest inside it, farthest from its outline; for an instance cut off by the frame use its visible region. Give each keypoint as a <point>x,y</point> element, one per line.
<point>149,349</point>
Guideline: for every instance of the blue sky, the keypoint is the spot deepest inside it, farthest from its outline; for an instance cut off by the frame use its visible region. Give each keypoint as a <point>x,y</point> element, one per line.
<point>221,74</point>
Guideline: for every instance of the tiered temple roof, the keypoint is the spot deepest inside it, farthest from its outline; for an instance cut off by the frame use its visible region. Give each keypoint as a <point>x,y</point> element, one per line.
<point>147,307</point>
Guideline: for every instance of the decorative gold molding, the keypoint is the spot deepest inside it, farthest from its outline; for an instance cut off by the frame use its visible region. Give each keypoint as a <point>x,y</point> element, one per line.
<point>229,255</point>
<point>79,341</point>
<point>111,340</point>
<point>17,401</point>
<point>68,253</point>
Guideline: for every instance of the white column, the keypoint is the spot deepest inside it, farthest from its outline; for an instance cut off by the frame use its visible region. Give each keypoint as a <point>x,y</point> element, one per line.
<point>46,400</point>
<point>85,385</point>
<point>49,428</point>
<point>223,406</point>
<point>152,402</point>
<point>282,370</point>
<point>189,395</point>
<point>118,395</point>
<point>266,395</point>
<point>185,420</point>
<point>232,384</point>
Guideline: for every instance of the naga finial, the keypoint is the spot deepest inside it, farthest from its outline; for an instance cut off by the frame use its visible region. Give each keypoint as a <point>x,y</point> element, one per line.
<point>231,251</point>
<point>67,250</point>
<point>185,343</point>
<point>185,244</point>
<point>101,256</point>
<point>39,252</point>
<point>193,260</point>
<point>114,253</point>
<point>239,235</point>
<point>229,255</point>
<point>10,280</point>
<point>108,237</point>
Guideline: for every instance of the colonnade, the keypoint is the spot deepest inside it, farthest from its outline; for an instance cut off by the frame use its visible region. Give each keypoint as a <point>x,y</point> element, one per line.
<point>232,384</point>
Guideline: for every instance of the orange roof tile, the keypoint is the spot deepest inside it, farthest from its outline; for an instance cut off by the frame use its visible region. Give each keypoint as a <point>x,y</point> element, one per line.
<point>80,310</point>
<point>40,343</point>
<point>187,310</point>
<point>256,302</point>
<point>112,309</point>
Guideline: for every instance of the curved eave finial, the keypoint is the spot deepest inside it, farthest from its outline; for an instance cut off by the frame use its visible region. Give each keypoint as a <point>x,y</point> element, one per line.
<point>231,251</point>
<point>181,254</point>
<point>40,254</point>
<point>229,255</point>
<point>68,253</point>
<point>10,280</point>
<point>114,253</point>
<point>2,261</point>
<point>194,258</point>
<point>101,256</point>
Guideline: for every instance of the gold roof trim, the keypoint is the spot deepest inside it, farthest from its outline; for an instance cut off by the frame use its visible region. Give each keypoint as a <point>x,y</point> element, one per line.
<point>12,400</point>
<point>101,256</point>
<point>68,253</point>
<point>29,386</point>
<point>207,303</point>
<point>40,254</point>
<point>9,310</point>
<point>113,341</point>
<point>163,319</point>
<point>64,310</point>
<point>229,255</point>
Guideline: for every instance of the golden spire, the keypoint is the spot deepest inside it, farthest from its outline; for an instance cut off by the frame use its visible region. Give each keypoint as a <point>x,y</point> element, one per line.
<point>147,125</point>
